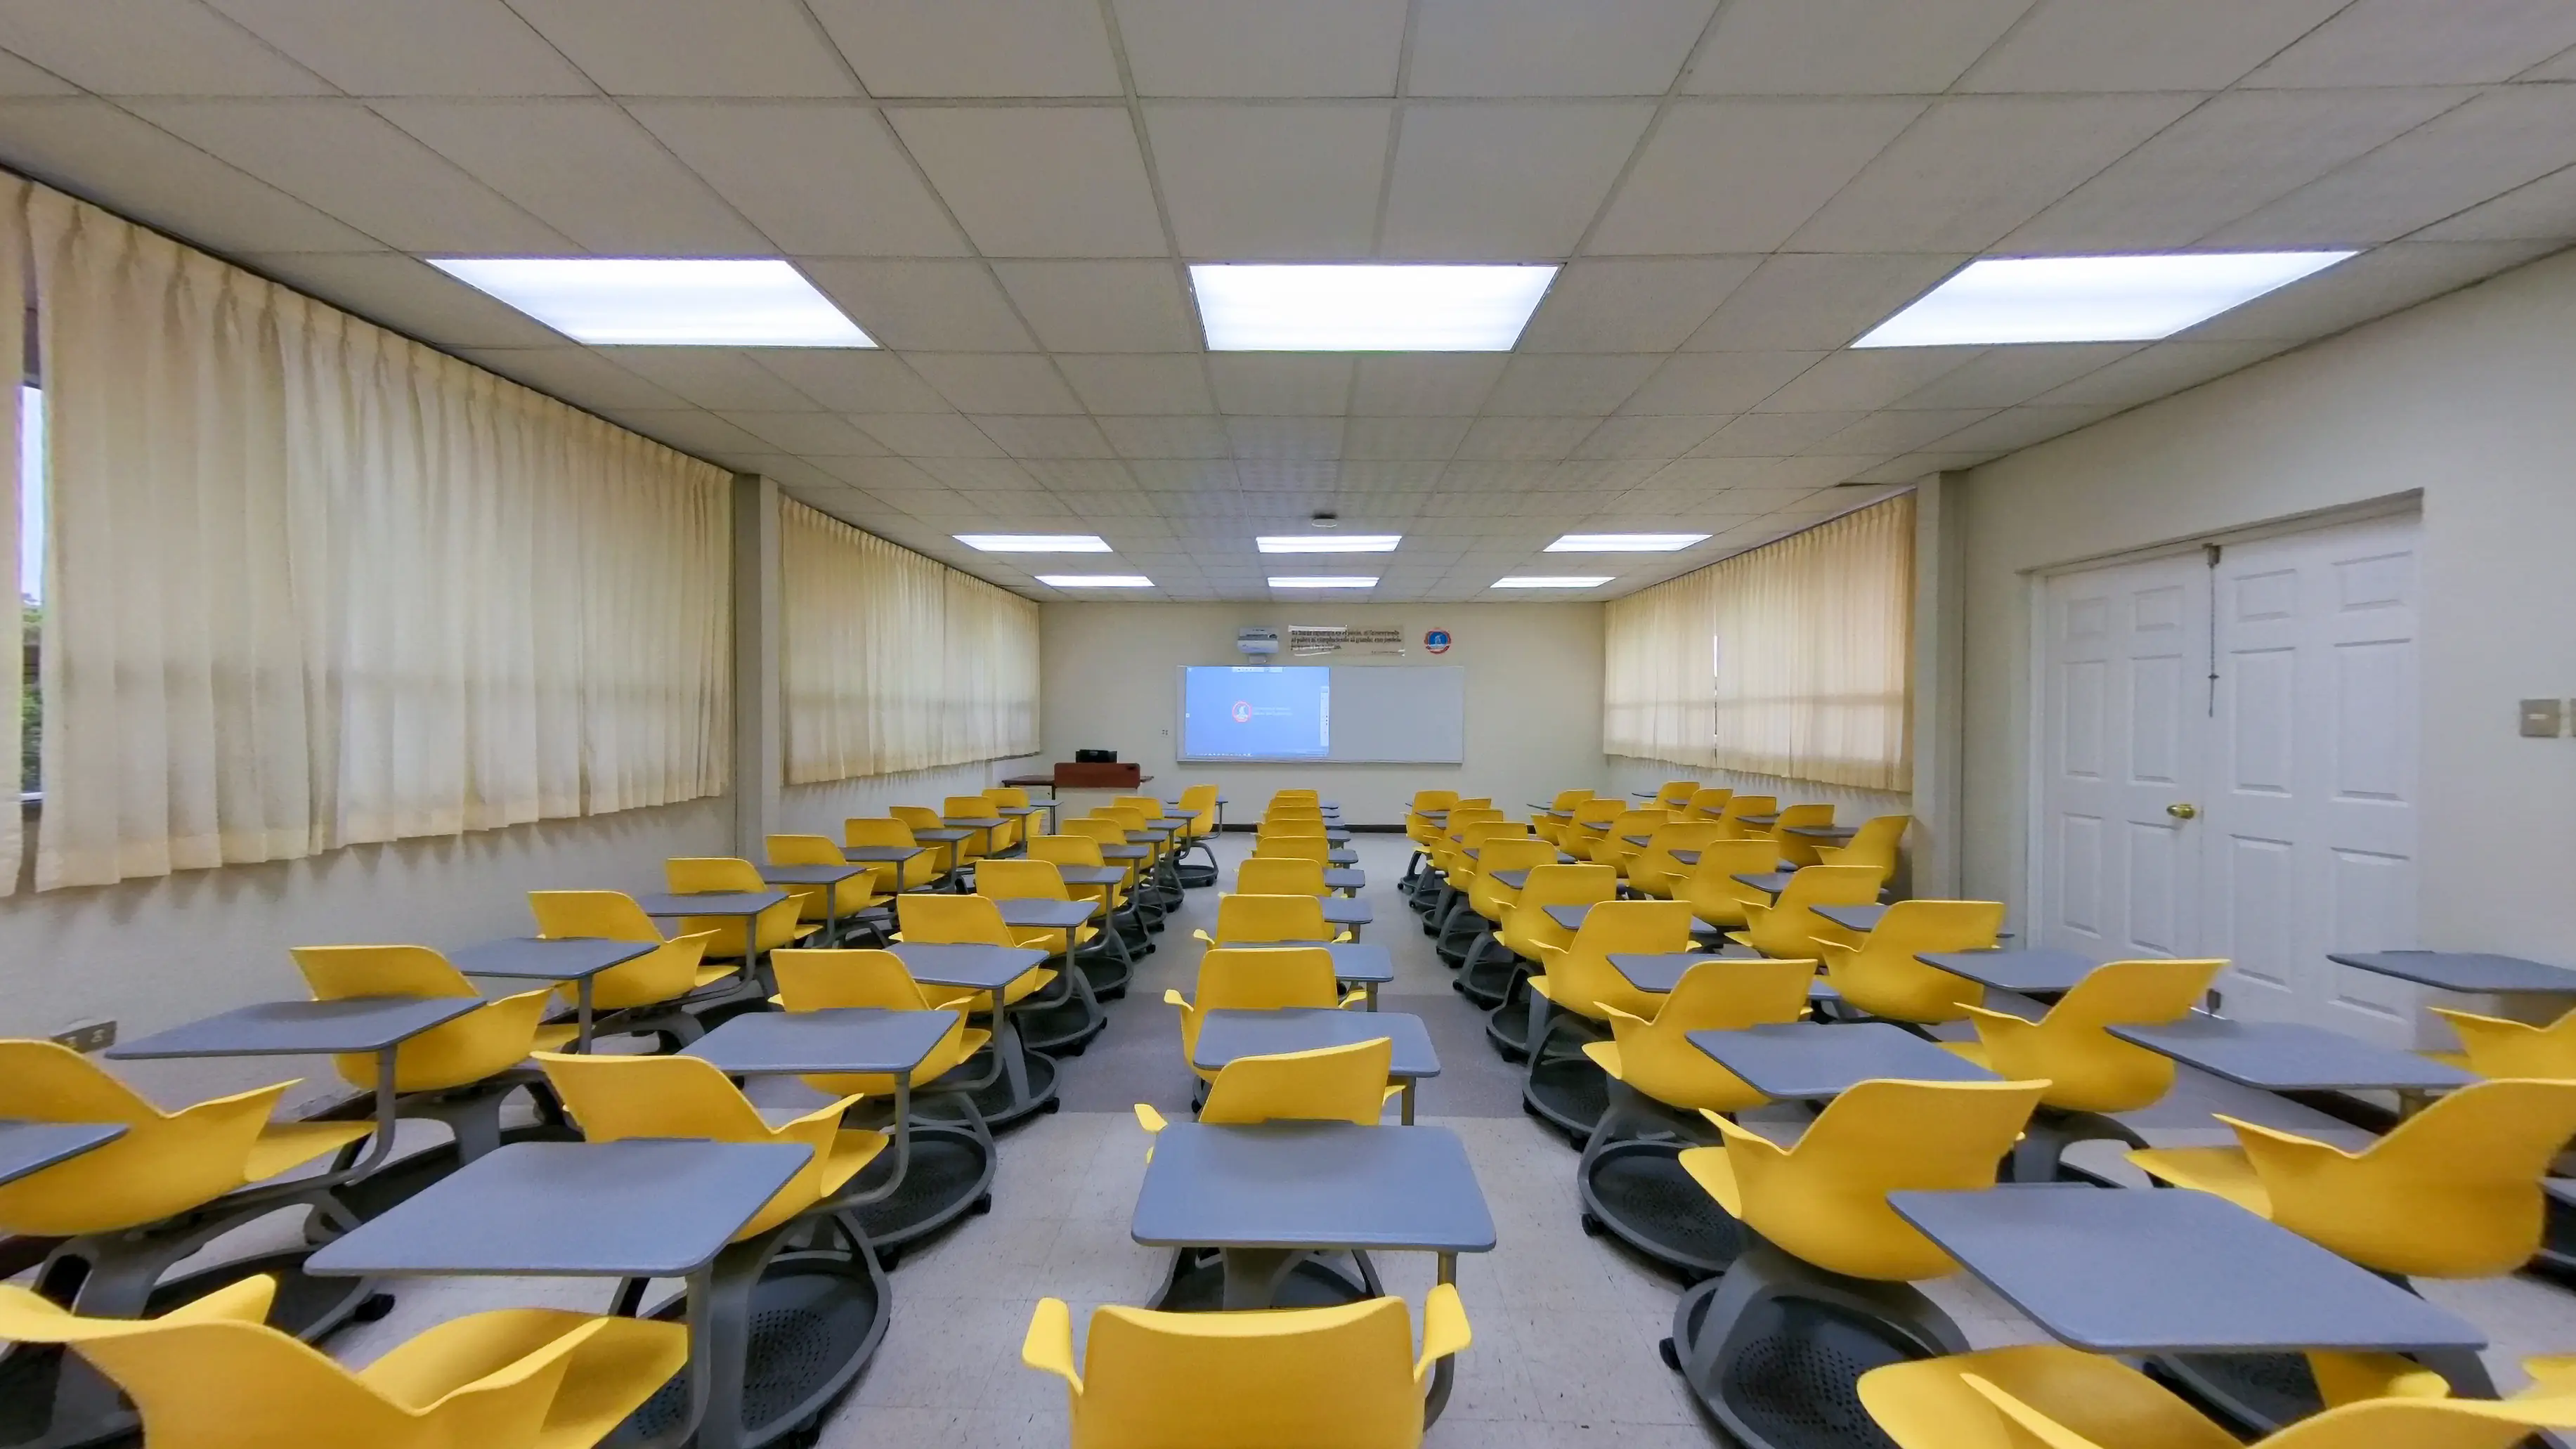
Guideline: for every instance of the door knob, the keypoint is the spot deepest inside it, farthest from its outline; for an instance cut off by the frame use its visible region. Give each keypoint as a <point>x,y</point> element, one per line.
<point>2183,812</point>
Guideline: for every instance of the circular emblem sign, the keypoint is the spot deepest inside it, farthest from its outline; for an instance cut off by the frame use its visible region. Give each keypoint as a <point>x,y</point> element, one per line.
<point>1436,642</point>
<point>1243,711</point>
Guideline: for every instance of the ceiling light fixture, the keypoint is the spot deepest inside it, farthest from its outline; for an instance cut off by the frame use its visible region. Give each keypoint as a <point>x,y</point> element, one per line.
<point>1033,542</point>
<point>1323,581</point>
<point>1625,542</point>
<point>1367,308</point>
<point>664,301</point>
<point>2006,300</point>
<point>1095,581</point>
<point>1348,543</point>
<point>1552,581</point>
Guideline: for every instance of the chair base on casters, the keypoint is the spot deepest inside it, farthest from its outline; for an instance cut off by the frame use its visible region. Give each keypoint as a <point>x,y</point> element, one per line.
<point>2040,1155</point>
<point>1774,1350</point>
<point>1561,1085</point>
<point>1488,974</point>
<point>2262,1393</point>
<point>793,1327</point>
<point>950,1177</point>
<point>999,1103</point>
<point>1634,1189</point>
<point>1196,1282</point>
<point>1507,1025</point>
<point>1065,1024</point>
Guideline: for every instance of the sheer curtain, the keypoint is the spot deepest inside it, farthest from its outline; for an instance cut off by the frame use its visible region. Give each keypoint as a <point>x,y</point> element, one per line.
<point>312,584</point>
<point>1793,660</point>
<point>13,364</point>
<point>890,661</point>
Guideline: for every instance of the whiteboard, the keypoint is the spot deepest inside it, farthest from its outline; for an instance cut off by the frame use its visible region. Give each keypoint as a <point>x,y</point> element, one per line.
<point>1399,714</point>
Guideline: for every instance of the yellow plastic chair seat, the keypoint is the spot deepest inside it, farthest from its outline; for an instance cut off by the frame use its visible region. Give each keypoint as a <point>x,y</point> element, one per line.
<point>284,1146</point>
<point>2220,1171</point>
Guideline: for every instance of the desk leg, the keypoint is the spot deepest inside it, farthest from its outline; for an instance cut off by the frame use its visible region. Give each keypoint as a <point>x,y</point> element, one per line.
<point>1446,1370</point>
<point>700,1288</point>
<point>832,914</point>
<point>1253,1275</point>
<point>1014,1058</point>
<point>728,1287</point>
<point>1407,1101</point>
<point>1371,988</point>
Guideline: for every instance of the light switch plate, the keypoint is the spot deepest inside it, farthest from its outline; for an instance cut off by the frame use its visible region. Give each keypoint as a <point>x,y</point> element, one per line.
<point>2542,719</point>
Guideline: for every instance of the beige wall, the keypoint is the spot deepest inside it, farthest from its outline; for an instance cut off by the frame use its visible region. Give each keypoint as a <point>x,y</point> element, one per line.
<point>1533,696</point>
<point>2467,399</point>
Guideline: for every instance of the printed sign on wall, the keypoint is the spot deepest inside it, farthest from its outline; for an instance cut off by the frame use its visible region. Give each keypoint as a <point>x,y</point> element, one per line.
<point>1436,642</point>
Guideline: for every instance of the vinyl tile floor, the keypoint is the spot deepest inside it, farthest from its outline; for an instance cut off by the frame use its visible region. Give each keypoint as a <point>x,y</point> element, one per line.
<point>1565,1325</point>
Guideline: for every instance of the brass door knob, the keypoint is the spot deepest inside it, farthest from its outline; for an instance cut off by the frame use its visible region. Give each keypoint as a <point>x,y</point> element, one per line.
<point>2183,812</point>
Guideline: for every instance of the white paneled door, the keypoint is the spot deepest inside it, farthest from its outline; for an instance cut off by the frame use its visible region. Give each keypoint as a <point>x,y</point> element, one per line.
<point>2261,807</point>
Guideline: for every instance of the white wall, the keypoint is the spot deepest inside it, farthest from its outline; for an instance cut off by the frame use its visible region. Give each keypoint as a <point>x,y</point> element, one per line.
<point>1533,696</point>
<point>2465,398</point>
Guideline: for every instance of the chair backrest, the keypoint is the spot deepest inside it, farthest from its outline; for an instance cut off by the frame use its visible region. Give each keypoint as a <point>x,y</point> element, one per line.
<point>1653,867</point>
<point>1580,976</point>
<point>1128,817</point>
<point>1825,1200</point>
<point>1509,852</point>
<point>1066,849</point>
<point>1298,797</point>
<point>335,973</point>
<point>1340,1376</point>
<point>165,1163</point>
<point>1240,979</point>
<point>1464,817</point>
<point>601,915</point>
<point>1732,994</point>
<point>938,920</point>
<point>1145,805</point>
<point>1707,804</point>
<point>1874,844</point>
<point>819,979</point>
<point>1676,793</point>
<point>2087,1068</point>
<point>470,1048</point>
<point>1790,926</point>
<point>1247,919</point>
<point>1197,799</point>
<point>1742,805</point>
<point>1526,925</point>
<point>1312,848</point>
<point>1106,832</point>
<point>876,830</point>
<point>613,1098</point>
<point>1280,875</point>
<point>1008,795</point>
<point>691,875</point>
<point>803,850</point>
<point>1881,975</point>
<point>43,1081</point>
<point>1614,840</point>
<point>918,817</point>
<point>1432,800</point>
<point>1327,1084</point>
<point>2499,1048</point>
<point>1011,880</point>
<point>2376,1423</point>
<point>1711,887</point>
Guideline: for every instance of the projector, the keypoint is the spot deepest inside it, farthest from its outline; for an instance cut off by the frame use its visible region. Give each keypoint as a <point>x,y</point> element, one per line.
<point>1257,641</point>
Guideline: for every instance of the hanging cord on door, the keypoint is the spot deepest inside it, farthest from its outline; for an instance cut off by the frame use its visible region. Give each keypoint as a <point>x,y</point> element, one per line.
<point>2210,553</point>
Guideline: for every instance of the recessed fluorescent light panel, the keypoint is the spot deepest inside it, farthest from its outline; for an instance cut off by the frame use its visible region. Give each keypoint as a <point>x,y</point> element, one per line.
<point>1324,581</point>
<point>1356,308</point>
<point>1625,542</point>
<point>1095,581</point>
<point>1351,543</point>
<point>1552,581</point>
<point>664,301</point>
<point>1033,542</point>
<point>2005,300</point>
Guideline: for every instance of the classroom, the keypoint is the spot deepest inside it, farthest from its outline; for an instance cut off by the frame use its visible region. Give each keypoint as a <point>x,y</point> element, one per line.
<point>1203,724</point>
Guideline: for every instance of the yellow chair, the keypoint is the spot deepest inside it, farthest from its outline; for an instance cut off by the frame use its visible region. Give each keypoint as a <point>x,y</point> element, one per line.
<point>1675,794</point>
<point>1344,1083</point>
<point>828,980</point>
<point>945,920</point>
<point>1015,830</point>
<point>1485,899</point>
<point>1083,850</point>
<point>1243,920</point>
<point>1526,927</point>
<point>1314,798</point>
<point>649,994</point>
<point>1345,1376</point>
<point>2494,1047</point>
<point>817,905</point>
<point>1131,820</point>
<point>1612,847</point>
<point>2087,1068</point>
<point>1654,872</point>
<point>981,840</point>
<point>1551,823</point>
<point>1577,983</point>
<point>1198,805</point>
<point>918,873</point>
<point>1278,845</point>
<point>1739,806</point>
<point>777,926</point>
<point>2051,1397</point>
<point>1255,979</point>
<point>211,1375</point>
<point>1794,848</point>
<point>1707,804</point>
<point>1874,845</point>
<point>1714,893</point>
<point>1280,875</point>
<point>1591,817</point>
<point>1039,880</point>
<point>615,1098</point>
<point>1789,926</point>
<point>1880,975</point>
<point>946,856</point>
<point>482,1043</point>
<point>2452,1192</point>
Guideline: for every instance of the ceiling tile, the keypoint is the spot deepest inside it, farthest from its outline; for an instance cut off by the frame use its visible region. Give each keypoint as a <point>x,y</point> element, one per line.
<point>1647,437</point>
<point>974,47</point>
<point>1915,466</point>
<point>1045,437</point>
<point>24,78</point>
<point>975,475</point>
<point>1261,48</point>
<point>2161,369</point>
<point>1102,306</point>
<point>2020,427</point>
<point>1403,438</point>
<point>577,375</point>
<point>1277,472</point>
<point>361,168</point>
<point>806,433</point>
<point>2113,45</point>
<point>927,435</point>
<point>1246,183</point>
<point>1631,306</point>
<point>1863,380</point>
<point>1818,301</point>
<point>2424,42</point>
<point>1273,437</point>
<point>1741,176</point>
<point>1773,435</point>
<point>693,431</point>
<point>1281,382</point>
<point>995,382</point>
<point>1390,476</point>
<point>2373,284</point>
<point>1552,47</point>
<point>948,306</point>
<point>896,483</point>
<point>410,297</point>
<point>96,150</point>
<point>1505,182</point>
<point>586,169</point>
<point>150,48</point>
<point>2543,209</point>
<point>1187,436</point>
<point>1888,432</point>
<point>1819,470</point>
<point>1519,439</point>
<point>818,178</point>
<point>1039,181</point>
<point>1717,382</point>
<point>1709,481</point>
<point>413,47</point>
<point>1847,47</point>
<point>851,380</point>
<point>1090,473</point>
<point>1568,384</point>
<point>790,472</point>
<point>1193,477</point>
<point>1976,167</point>
<point>713,377</point>
<point>2455,161</point>
<point>2009,375</point>
<point>1423,384</point>
<point>690,48</point>
<point>1162,383</point>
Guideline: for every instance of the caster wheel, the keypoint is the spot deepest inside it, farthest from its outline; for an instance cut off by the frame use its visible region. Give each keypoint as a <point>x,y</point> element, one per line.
<point>1578,1140</point>
<point>888,1259</point>
<point>1073,1051</point>
<point>1591,1225</point>
<point>1671,1356</point>
<point>1532,1111</point>
<point>373,1308</point>
<point>981,1205</point>
<point>1053,1106</point>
